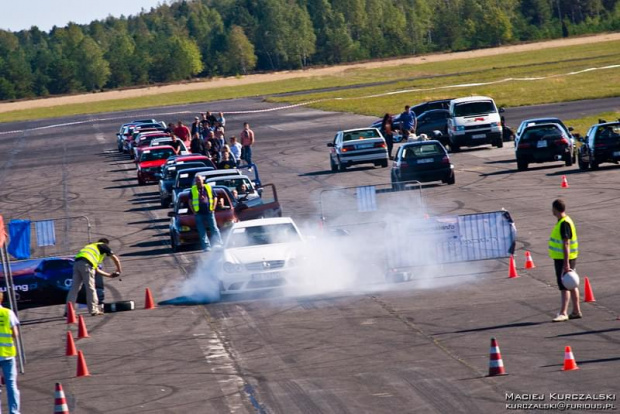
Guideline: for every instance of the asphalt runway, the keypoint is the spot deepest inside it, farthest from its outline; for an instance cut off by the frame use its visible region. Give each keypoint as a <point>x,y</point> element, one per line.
<point>420,347</point>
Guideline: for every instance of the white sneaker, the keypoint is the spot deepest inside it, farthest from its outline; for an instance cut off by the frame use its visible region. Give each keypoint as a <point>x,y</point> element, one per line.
<point>560,318</point>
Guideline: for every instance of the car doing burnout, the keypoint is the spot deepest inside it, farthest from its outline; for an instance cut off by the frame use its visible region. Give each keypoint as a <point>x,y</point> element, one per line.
<point>543,143</point>
<point>150,162</point>
<point>602,144</point>
<point>422,161</point>
<point>258,255</point>
<point>357,146</point>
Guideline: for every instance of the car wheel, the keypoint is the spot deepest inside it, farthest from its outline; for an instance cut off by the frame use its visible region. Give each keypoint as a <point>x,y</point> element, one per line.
<point>332,165</point>
<point>384,164</point>
<point>455,147</point>
<point>122,306</point>
<point>522,165</point>
<point>451,179</point>
<point>500,143</point>
<point>342,167</point>
<point>165,203</point>
<point>593,165</point>
<point>569,161</point>
<point>173,244</point>
<point>582,165</point>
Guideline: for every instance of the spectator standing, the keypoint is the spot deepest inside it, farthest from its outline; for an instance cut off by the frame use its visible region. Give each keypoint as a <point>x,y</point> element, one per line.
<point>197,146</point>
<point>235,149</point>
<point>8,352</point>
<point>216,146</point>
<point>407,122</point>
<point>209,151</point>
<point>183,133</point>
<point>219,131</point>
<point>388,134</point>
<point>564,249</point>
<point>221,119</point>
<point>176,144</point>
<point>204,124</point>
<point>203,206</point>
<point>227,162</point>
<point>247,140</point>
<point>196,126</point>
<point>212,119</point>
<point>169,128</point>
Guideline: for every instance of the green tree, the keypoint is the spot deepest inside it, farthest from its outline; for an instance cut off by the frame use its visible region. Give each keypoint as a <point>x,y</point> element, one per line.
<point>238,57</point>
<point>120,56</point>
<point>93,70</point>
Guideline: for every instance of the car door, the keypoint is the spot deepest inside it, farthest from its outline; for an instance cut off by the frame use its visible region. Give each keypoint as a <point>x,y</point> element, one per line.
<point>333,151</point>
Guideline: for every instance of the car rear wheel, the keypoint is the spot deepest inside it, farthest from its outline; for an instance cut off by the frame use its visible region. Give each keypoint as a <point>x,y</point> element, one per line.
<point>455,147</point>
<point>582,165</point>
<point>451,179</point>
<point>165,203</point>
<point>499,143</point>
<point>332,165</point>
<point>569,161</point>
<point>593,165</point>
<point>173,244</point>
<point>522,165</point>
<point>384,164</point>
<point>342,167</point>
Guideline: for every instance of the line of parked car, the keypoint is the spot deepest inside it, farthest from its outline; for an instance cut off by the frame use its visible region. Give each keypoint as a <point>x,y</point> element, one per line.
<point>240,192</point>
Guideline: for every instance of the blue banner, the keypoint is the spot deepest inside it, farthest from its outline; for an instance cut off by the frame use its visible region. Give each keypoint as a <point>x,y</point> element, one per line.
<point>19,239</point>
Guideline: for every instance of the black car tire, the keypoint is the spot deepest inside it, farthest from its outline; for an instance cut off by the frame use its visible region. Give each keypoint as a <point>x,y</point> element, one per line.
<point>454,147</point>
<point>582,165</point>
<point>332,166</point>
<point>173,244</point>
<point>451,179</point>
<point>594,165</point>
<point>569,161</point>
<point>165,203</point>
<point>384,164</point>
<point>499,143</point>
<point>121,306</point>
<point>522,165</point>
<point>342,167</point>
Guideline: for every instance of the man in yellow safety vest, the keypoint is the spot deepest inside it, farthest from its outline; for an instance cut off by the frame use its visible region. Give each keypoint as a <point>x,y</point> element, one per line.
<point>203,204</point>
<point>86,266</point>
<point>8,332</point>
<point>564,249</point>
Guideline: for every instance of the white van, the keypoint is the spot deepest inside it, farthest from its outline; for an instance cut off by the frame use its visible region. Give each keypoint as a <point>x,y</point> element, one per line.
<point>474,121</point>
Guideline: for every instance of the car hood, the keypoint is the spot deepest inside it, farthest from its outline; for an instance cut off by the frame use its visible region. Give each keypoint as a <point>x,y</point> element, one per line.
<point>150,164</point>
<point>267,252</point>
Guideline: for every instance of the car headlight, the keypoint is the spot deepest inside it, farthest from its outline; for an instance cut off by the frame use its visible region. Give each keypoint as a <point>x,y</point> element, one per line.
<point>459,128</point>
<point>496,124</point>
<point>184,228</point>
<point>232,267</point>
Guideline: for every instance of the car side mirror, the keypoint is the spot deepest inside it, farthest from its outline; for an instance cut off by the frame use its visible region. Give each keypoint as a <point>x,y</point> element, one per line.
<point>501,110</point>
<point>330,144</point>
<point>171,214</point>
<point>571,129</point>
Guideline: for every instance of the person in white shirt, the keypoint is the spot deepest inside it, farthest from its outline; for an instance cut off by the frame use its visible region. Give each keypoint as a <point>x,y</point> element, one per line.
<point>235,149</point>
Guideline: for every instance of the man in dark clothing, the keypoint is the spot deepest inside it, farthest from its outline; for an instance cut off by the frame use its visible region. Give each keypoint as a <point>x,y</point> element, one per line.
<point>564,249</point>
<point>176,144</point>
<point>196,127</point>
<point>407,122</point>
<point>226,162</point>
<point>197,146</point>
<point>211,118</point>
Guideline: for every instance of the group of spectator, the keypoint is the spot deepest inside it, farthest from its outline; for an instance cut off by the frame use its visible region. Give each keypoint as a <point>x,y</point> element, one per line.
<point>408,126</point>
<point>207,136</point>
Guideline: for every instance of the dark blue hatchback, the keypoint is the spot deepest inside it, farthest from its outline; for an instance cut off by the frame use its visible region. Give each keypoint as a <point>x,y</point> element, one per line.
<point>422,161</point>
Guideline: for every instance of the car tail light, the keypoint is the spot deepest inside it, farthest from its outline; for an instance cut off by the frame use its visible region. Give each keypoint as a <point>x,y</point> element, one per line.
<point>379,145</point>
<point>403,164</point>
<point>445,160</point>
<point>524,145</point>
<point>561,141</point>
<point>600,146</point>
<point>345,149</point>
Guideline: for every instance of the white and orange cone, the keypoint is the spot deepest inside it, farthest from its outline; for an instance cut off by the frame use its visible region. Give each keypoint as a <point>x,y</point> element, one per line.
<point>569,360</point>
<point>60,401</point>
<point>529,263</point>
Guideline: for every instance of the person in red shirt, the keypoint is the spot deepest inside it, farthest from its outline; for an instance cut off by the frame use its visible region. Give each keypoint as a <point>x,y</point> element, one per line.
<point>183,133</point>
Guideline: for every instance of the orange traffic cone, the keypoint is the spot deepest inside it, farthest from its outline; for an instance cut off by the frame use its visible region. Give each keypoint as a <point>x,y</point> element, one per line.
<point>496,365</point>
<point>589,296</point>
<point>569,360</point>
<point>82,369</point>
<point>70,350</point>
<point>70,313</point>
<point>82,332</point>
<point>564,182</point>
<point>60,401</point>
<point>512,268</point>
<point>529,263</point>
<point>148,300</point>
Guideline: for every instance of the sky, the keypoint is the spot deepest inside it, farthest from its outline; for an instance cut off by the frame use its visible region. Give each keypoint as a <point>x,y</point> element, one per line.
<point>22,14</point>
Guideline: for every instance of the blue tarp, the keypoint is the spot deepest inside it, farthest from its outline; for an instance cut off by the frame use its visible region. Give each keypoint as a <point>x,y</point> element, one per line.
<point>46,236</point>
<point>19,236</point>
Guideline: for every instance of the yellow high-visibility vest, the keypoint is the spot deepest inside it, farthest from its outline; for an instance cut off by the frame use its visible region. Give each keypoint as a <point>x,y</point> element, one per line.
<point>7,347</point>
<point>556,245</point>
<point>91,253</point>
<point>195,196</point>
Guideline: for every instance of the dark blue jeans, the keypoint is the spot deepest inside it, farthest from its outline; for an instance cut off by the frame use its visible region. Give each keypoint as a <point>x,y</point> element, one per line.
<point>246,154</point>
<point>204,220</point>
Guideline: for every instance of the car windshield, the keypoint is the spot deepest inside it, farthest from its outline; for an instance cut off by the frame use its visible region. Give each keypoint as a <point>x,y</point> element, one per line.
<point>185,179</point>
<point>261,235</point>
<point>474,108</point>
<point>242,185</point>
<point>426,150</point>
<point>608,133</point>
<point>157,154</point>
<point>159,141</point>
<point>170,172</point>
<point>541,132</point>
<point>362,134</point>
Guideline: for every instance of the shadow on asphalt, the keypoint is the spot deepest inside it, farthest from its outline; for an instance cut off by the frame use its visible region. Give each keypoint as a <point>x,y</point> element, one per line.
<point>150,221</point>
<point>587,333</point>
<point>41,320</point>
<point>124,179</point>
<point>155,243</point>
<point>490,328</point>
<point>327,172</point>
<point>120,187</point>
<point>154,252</point>
<point>147,201</point>
<point>500,162</point>
<point>589,361</point>
<point>149,194</point>
<point>121,170</point>
<point>578,171</point>
<point>140,209</point>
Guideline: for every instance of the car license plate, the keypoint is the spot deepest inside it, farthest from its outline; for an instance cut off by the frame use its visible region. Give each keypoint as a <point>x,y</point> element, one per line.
<point>478,136</point>
<point>425,160</point>
<point>541,144</point>
<point>267,276</point>
<point>616,153</point>
<point>364,146</point>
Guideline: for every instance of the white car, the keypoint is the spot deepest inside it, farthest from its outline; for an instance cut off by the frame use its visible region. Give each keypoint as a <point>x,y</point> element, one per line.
<point>357,146</point>
<point>258,255</point>
<point>241,185</point>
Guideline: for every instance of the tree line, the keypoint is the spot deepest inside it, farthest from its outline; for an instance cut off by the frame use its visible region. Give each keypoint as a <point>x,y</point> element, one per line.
<point>205,38</point>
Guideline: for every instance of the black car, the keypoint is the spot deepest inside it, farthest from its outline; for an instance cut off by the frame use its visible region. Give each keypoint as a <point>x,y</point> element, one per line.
<point>543,143</point>
<point>601,144</point>
<point>422,161</point>
<point>167,177</point>
<point>434,120</point>
<point>185,179</point>
<point>417,110</point>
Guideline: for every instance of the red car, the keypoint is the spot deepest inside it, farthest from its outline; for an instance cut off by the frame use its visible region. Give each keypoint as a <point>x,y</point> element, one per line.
<point>150,162</point>
<point>178,159</point>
